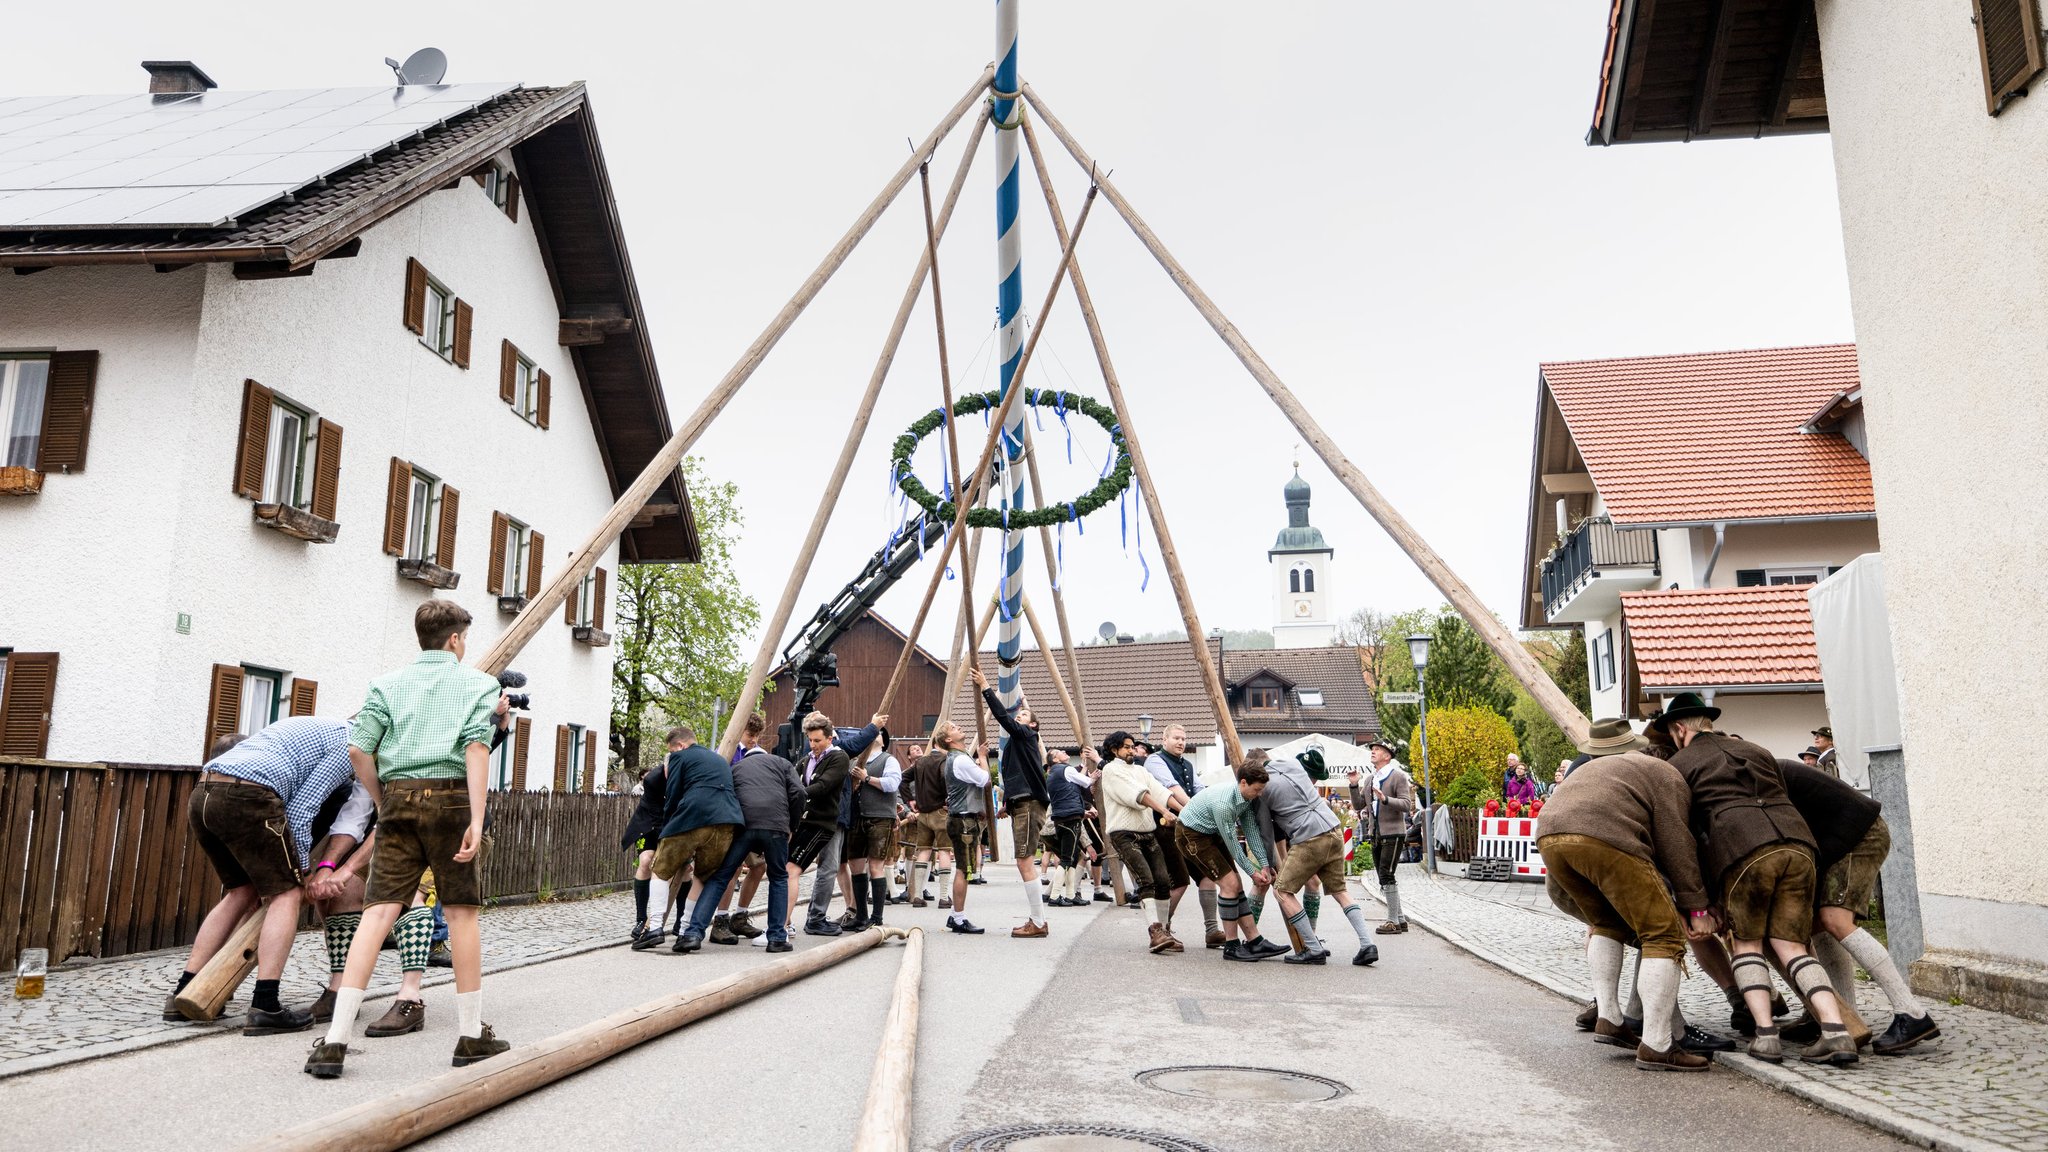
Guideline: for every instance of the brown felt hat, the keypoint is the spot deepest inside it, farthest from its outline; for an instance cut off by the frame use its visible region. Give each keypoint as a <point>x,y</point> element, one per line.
<point>1611,736</point>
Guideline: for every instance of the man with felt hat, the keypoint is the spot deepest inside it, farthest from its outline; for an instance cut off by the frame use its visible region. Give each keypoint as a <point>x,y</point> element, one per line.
<point>1618,844</point>
<point>1383,803</point>
<point>1760,852</point>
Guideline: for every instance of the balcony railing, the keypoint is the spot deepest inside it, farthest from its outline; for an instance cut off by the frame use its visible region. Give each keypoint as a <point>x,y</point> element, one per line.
<point>1595,544</point>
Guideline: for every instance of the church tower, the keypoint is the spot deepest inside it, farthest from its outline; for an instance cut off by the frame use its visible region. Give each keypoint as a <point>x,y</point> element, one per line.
<point>1301,576</point>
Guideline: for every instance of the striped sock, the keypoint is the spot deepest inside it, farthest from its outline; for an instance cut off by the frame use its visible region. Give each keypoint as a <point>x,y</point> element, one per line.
<point>414,934</point>
<point>340,933</point>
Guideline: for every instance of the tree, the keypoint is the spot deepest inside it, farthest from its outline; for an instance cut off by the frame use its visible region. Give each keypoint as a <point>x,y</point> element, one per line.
<point>1563,656</point>
<point>1463,671</point>
<point>1465,742</point>
<point>679,630</point>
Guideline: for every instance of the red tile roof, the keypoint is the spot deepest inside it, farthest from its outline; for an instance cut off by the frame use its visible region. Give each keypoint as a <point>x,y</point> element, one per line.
<point>1715,435</point>
<point>1722,637</point>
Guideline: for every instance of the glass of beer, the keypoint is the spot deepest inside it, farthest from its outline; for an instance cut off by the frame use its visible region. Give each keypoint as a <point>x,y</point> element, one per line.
<point>28,977</point>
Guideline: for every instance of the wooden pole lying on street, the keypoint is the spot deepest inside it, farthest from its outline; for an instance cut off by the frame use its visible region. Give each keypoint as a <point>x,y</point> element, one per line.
<point>1519,662</point>
<point>206,997</point>
<point>410,1114</point>
<point>1052,669</point>
<point>771,635</point>
<point>1198,642</point>
<point>663,465</point>
<point>885,1120</point>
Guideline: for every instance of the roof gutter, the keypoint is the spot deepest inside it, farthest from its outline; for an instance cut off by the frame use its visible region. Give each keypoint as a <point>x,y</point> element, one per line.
<point>1708,690</point>
<point>1748,521</point>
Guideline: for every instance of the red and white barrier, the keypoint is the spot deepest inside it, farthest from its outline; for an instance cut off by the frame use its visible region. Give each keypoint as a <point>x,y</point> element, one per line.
<point>1511,838</point>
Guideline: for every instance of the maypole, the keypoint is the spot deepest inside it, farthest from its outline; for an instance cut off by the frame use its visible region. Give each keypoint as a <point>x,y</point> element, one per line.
<point>1008,112</point>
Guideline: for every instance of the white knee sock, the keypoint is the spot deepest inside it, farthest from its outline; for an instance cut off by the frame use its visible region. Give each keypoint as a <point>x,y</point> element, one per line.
<point>1634,1010</point>
<point>347,1002</point>
<point>1058,878</point>
<point>657,902</point>
<point>1603,957</point>
<point>1034,904</point>
<point>1658,979</point>
<point>1841,967</point>
<point>469,1013</point>
<point>683,916</point>
<point>917,871</point>
<point>1878,962</point>
<point>1156,909</point>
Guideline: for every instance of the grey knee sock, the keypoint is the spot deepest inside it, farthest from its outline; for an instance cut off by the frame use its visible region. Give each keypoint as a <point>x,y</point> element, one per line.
<point>1878,962</point>
<point>1299,922</point>
<point>1840,966</point>
<point>1210,918</point>
<point>1393,894</point>
<point>1356,916</point>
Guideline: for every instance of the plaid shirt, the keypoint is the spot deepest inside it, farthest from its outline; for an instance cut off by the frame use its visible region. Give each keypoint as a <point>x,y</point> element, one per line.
<point>302,759</point>
<point>418,720</point>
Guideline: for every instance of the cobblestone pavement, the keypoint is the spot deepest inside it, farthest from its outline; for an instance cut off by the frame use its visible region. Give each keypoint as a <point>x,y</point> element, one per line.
<point>109,1006</point>
<point>1983,1085</point>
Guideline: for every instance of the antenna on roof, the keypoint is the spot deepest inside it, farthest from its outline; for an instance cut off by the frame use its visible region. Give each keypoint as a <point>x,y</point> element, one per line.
<point>425,66</point>
<point>1107,631</point>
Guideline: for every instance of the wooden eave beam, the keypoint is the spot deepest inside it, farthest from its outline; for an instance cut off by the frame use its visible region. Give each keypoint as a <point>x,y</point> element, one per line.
<point>576,331</point>
<point>1706,91</point>
<point>1797,30</point>
<point>1638,57</point>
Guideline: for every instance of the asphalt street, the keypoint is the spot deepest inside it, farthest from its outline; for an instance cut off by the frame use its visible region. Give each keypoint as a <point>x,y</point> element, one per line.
<point>1434,1049</point>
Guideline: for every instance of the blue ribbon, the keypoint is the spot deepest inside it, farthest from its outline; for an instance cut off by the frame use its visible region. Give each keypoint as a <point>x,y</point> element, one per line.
<point>1059,409</point>
<point>1037,416</point>
<point>1076,518</point>
<point>1059,547</point>
<point>1139,497</point>
<point>1109,457</point>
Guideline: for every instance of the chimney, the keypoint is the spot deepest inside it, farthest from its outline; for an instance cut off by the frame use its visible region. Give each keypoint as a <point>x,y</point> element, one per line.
<point>177,76</point>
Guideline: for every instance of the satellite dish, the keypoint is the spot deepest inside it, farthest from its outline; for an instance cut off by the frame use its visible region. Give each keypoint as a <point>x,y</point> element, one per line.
<point>425,66</point>
<point>1107,631</point>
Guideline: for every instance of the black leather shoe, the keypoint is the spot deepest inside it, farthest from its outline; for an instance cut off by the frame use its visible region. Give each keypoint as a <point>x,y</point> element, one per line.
<point>688,942</point>
<point>649,940</point>
<point>1905,1032</point>
<point>780,946</point>
<point>965,927</point>
<point>1235,950</point>
<point>277,1023</point>
<point>1367,955</point>
<point>1699,1040</point>
<point>1265,947</point>
<point>1105,898</point>
<point>822,928</point>
<point>1318,956</point>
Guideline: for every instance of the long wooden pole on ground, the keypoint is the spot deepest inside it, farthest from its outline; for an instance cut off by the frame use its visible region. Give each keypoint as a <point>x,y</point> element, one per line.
<point>1052,668</point>
<point>1519,663</point>
<point>771,636</point>
<point>1198,643</point>
<point>1059,601</point>
<point>885,1121</point>
<point>410,1114</point>
<point>663,465</point>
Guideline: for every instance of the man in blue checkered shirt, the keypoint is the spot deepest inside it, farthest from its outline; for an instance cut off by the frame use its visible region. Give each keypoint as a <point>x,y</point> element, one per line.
<point>252,814</point>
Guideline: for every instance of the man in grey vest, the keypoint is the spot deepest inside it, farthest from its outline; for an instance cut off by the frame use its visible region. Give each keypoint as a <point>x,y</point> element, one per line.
<point>966,806</point>
<point>1383,804</point>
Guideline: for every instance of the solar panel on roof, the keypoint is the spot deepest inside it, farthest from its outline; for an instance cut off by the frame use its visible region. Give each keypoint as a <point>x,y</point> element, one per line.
<point>202,160</point>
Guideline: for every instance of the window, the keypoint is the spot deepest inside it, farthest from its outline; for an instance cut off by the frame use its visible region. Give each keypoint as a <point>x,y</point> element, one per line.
<point>1795,575</point>
<point>576,757</point>
<point>1294,580</point>
<point>1308,580</point>
<point>24,381</point>
<point>502,187</point>
<point>1602,657</point>
<point>1310,697</point>
<point>930,721</point>
<point>523,385</point>
<point>2009,42</point>
<point>423,517</point>
<point>518,537</point>
<point>1263,696</point>
<point>288,479</point>
<point>261,691</point>
<point>439,317</point>
<point>585,607</point>
<point>501,762</point>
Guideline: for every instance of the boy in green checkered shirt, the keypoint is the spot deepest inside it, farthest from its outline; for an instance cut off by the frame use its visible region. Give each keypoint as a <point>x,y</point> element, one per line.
<point>421,746</point>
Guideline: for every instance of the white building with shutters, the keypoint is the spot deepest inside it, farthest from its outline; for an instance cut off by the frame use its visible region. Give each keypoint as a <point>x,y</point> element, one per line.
<point>250,427</point>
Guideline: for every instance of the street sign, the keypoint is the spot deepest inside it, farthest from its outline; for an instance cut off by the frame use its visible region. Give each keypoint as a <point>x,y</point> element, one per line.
<point>1402,698</point>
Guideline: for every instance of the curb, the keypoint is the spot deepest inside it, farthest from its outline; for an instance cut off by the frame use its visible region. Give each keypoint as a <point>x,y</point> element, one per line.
<point>1833,1099</point>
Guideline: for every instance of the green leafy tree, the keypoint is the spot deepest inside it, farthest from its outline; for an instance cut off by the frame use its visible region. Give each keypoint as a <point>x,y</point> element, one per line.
<point>1463,671</point>
<point>1563,656</point>
<point>1463,741</point>
<point>679,629</point>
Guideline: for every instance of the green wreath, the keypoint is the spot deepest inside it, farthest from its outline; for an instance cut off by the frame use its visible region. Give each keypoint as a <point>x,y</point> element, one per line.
<point>1107,489</point>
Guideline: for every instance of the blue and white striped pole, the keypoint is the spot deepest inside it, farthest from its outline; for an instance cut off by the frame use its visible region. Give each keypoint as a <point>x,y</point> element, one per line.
<point>1007,113</point>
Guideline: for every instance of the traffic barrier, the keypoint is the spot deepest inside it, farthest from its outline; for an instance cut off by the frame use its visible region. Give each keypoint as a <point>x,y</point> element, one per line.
<point>1507,848</point>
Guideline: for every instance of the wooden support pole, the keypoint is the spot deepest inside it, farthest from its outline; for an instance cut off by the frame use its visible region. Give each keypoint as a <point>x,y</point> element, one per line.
<point>771,635</point>
<point>541,608</point>
<point>1520,663</point>
<point>970,491</point>
<point>410,1114</point>
<point>1059,600</point>
<point>215,982</point>
<point>885,1121</point>
<point>1198,644</point>
<point>1052,668</point>
<point>967,558</point>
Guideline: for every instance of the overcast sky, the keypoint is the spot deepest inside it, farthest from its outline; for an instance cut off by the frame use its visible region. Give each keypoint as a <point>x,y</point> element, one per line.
<point>1394,202</point>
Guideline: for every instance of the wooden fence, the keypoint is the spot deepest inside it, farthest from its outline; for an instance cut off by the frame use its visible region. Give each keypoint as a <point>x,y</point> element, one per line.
<point>1465,831</point>
<point>96,859</point>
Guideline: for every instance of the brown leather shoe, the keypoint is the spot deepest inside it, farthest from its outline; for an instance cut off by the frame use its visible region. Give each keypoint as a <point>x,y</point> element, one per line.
<point>323,1008</point>
<point>1173,943</point>
<point>1388,928</point>
<point>1161,942</point>
<point>1676,1060</point>
<point>1588,1018</point>
<point>1213,938</point>
<point>404,1016</point>
<point>1030,930</point>
<point>1619,1035</point>
<point>474,1049</point>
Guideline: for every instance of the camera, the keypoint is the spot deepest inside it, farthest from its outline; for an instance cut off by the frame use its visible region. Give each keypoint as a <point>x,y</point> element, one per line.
<point>517,700</point>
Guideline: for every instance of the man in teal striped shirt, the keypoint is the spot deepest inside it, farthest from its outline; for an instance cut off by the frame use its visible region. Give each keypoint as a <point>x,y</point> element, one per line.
<point>1208,835</point>
<point>421,746</point>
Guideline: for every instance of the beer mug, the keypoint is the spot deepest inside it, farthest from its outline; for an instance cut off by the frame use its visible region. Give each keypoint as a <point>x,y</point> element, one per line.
<point>28,977</point>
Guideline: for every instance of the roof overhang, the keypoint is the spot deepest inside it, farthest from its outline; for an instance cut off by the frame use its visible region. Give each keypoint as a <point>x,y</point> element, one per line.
<point>1753,521</point>
<point>1834,411</point>
<point>1731,689</point>
<point>1688,69</point>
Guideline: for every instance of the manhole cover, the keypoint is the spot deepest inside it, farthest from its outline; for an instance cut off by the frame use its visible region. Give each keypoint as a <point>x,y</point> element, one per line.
<point>1246,1085</point>
<point>1071,1138</point>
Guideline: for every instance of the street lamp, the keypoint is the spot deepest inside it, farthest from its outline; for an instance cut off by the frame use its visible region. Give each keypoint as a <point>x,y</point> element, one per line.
<point>1145,727</point>
<point>1418,651</point>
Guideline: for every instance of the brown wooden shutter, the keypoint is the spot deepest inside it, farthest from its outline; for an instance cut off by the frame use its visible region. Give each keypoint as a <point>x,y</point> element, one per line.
<point>533,551</point>
<point>326,469</point>
<point>561,757</point>
<point>590,760</point>
<point>252,447</point>
<point>2009,42</point>
<point>396,497</point>
<point>463,315</point>
<point>512,197</point>
<point>494,579</point>
<point>569,602</point>
<point>223,706</point>
<point>522,738</point>
<point>67,411</point>
<point>597,601</point>
<point>25,704</point>
<point>540,408</point>
<point>415,296</point>
<point>444,548</point>
<point>305,694</point>
<point>508,371</point>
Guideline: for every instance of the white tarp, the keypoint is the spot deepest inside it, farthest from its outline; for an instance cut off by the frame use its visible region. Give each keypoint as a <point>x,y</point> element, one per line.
<point>1854,638</point>
<point>1338,755</point>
